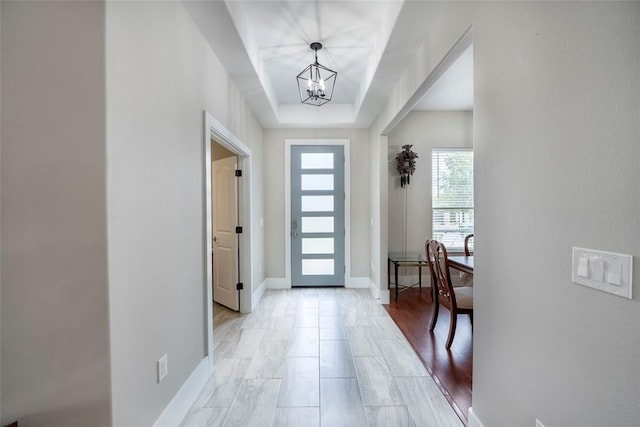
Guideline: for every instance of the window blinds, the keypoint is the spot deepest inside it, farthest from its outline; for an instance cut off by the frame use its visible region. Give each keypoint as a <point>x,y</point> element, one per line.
<point>452,195</point>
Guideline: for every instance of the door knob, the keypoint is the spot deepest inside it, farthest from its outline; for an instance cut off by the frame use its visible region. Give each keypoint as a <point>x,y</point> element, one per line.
<point>215,239</point>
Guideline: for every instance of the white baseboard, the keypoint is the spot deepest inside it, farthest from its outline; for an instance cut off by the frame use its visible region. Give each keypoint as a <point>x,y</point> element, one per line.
<point>474,421</point>
<point>357,282</point>
<point>257,294</point>
<point>176,410</point>
<point>351,282</point>
<point>277,283</point>
<point>382,295</point>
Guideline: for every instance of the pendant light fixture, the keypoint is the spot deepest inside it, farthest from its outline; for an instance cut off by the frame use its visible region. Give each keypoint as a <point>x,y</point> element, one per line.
<point>316,82</point>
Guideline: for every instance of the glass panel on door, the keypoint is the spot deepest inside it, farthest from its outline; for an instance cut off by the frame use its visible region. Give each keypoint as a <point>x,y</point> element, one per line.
<point>317,224</point>
<point>317,182</point>
<point>312,267</point>
<point>317,203</point>
<point>317,245</point>
<point>316,160</point>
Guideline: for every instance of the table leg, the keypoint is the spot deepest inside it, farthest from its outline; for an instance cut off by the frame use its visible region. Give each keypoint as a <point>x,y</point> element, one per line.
<point>388,273</point>
<point>396,274</point>
<point>420,276</point>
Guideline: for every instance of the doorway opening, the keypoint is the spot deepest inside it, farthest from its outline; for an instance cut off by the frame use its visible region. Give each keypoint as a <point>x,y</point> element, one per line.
<point>441,112</point>
<point>232,255</point>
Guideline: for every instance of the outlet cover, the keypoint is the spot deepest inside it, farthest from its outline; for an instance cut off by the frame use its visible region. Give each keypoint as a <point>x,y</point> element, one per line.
<point>163,368</point>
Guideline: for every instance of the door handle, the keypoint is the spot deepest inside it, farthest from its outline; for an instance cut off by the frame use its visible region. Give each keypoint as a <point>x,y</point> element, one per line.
<point>294,227</point>
<point>215,239</point>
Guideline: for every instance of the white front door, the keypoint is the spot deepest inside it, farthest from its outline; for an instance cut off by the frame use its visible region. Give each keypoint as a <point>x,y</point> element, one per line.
<point>224,204</point>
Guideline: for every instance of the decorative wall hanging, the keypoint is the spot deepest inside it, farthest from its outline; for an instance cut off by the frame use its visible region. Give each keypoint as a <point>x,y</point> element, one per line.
<point>406,164</point>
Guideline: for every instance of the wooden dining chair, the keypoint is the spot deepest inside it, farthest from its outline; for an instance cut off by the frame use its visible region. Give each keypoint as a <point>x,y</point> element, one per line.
<point>467,251</point>
<point>432,274</point>
<point>458,300</point>
<point>466,279</point>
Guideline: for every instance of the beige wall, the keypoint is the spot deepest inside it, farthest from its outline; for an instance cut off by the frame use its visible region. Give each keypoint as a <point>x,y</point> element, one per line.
<point>275,197</point>
<point>55,340</point>
<point>161,74</point>
<point>556,153</point>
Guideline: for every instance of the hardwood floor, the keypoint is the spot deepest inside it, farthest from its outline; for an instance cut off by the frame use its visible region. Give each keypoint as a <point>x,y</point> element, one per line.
<point>321,357</point>
<point>451,369</point>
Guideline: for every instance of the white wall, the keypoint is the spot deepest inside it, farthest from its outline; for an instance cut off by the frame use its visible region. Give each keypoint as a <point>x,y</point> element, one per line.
<point>379,211</point>
<point>253,136</point>
<point>556,153</point>
<point>274,195</point>
<point>55,341</point>
<point>161,74</point>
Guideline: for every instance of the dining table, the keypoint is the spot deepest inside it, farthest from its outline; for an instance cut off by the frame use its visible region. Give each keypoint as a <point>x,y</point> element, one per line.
<point>462,263</point>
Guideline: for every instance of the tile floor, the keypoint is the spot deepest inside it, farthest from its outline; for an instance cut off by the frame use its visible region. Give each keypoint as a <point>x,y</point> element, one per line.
<point>316,357</point>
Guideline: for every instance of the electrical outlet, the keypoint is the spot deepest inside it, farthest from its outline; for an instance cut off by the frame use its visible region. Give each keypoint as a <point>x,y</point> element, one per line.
<point>163,368</point>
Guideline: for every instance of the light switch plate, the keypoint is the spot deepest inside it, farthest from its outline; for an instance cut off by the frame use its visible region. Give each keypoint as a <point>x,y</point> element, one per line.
<point>607,271</point>
<point>163,368</point>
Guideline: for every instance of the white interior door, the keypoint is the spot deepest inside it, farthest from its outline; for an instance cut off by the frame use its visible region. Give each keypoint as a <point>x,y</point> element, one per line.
<point>224,204</point>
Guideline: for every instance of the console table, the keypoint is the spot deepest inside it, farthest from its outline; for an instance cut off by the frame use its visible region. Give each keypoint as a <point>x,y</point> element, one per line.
<point>406,259</point>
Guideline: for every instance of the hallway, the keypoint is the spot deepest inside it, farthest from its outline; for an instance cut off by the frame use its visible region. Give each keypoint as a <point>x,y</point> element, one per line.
<point>317,357</point>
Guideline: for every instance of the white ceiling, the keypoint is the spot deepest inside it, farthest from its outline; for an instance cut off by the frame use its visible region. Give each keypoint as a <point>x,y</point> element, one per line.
<point>454,89</point>
<point>264,45</point>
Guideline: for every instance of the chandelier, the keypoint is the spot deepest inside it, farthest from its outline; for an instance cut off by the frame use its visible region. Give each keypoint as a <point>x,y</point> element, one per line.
<point>316,82</point>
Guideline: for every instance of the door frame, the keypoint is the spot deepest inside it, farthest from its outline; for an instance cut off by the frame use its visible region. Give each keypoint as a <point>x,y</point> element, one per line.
<point>287,202</point>
<point>216,131</point>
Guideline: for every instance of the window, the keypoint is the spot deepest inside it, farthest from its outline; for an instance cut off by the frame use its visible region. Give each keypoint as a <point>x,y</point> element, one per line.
<point>452,195</point>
